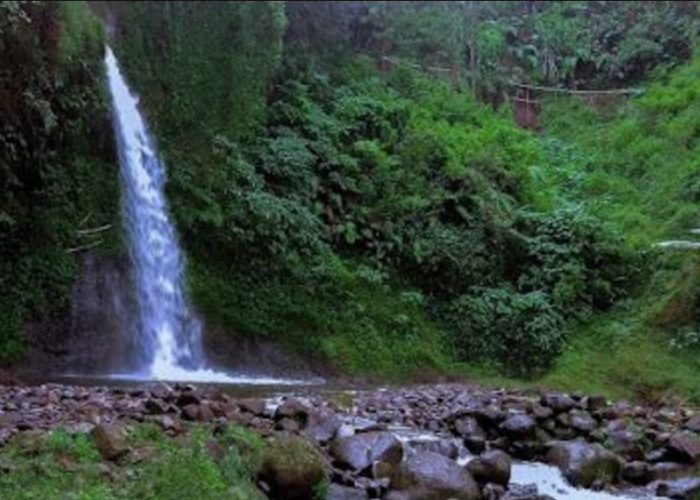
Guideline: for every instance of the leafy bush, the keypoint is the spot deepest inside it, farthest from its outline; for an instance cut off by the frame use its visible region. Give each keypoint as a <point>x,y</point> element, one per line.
<point>522,332</point>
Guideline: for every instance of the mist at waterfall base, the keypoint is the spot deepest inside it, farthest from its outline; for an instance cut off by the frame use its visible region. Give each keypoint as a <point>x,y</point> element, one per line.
<point>169,332</point>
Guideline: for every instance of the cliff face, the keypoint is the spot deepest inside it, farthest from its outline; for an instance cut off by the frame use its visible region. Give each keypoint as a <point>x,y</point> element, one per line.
<point>94,334</point>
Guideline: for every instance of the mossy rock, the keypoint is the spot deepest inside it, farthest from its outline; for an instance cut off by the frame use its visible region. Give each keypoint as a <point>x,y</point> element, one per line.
<point>293,469</point>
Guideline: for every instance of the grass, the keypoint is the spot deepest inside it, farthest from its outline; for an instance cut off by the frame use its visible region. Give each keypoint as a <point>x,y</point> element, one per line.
<point>350,317</point>
<point>62,466</point>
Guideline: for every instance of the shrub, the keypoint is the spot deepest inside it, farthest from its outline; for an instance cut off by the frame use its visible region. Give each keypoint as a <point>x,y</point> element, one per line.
<point>521,332</point>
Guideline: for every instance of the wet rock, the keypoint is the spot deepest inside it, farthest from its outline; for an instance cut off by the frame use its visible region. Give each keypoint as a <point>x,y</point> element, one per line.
<point>198,412</point>
<point>687,488</point>
<point>110,441</point>
<point>358,452</point>
<point>292,468</point>
<point>693,425</point>
<point>669,470</point>
<point>685,447</point>
<point>519,426</point>
<point>287,425</point>
<point>583,422</point>
<point>430,476</point>
<point>494,466</point>
<point>542,412</point>
<point>382,470</point>
<point>636,472</point>
<point>522,492</point>
<point>493,492</point>
<point>560,403</point>
<point>584,464</point>
<point>626,442</point>
<point>322,427</point>
<point>345,430</point>
<point>444,447</point>
<point>293,409</point>
<point>160,390</point>
<point>337,492</point>
<point>468,427</point>
<point>489,416</point>
<point>156,406</point>
<point>257,407</point>
<point>189,397</point>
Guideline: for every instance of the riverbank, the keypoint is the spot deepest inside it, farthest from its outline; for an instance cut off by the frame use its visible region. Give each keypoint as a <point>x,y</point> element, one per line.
<point>412,443</point>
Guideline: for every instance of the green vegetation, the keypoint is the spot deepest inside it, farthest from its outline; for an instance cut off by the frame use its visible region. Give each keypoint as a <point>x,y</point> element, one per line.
<point>56,170</point>
<point>62,465</point>
<point>385,218</point>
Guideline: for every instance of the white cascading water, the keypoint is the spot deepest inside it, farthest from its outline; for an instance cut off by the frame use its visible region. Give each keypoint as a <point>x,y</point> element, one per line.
<point>170,335</point>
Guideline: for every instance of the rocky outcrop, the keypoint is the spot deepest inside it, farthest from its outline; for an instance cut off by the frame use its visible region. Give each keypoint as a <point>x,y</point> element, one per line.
<point>110,441</point>
<point>430,476</point>
<point>292,468</point>
<point>359,451</point>
<point>585,464</point>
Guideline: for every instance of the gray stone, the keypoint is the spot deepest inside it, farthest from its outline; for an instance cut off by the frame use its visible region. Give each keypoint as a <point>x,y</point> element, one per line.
<point>358,452</point>
<point>292,468</point>
<point>110,441</point>
<point>430,476</point>
<point>494,466</point>
<point>685,446</point>
<point>337,492</point>
<point>519,426</point>
<point>584,464</point>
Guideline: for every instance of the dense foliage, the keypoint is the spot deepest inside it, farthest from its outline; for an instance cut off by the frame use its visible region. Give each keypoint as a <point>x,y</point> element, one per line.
<point>382,218</point>
<point>53,143</point>
<point>583,43</point>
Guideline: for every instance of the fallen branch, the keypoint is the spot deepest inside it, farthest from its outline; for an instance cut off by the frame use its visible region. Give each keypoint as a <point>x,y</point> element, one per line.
<point>87,246</point>
<point>95,230</point>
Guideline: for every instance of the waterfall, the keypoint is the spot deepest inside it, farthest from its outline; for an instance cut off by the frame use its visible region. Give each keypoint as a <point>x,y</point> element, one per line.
<point>169,334</point>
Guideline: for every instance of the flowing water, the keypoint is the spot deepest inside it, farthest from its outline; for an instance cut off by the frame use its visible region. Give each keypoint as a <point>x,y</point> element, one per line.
<point>169,332</point>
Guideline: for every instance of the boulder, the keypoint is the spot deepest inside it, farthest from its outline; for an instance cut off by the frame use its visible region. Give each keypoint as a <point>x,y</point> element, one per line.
<point>560,403</point>
<point>257,407</point>
<point>110,441</point>
<point>542,412</point>
<point>523,492</point>
<point>322,427</point>
<point>685,447</point>
<point>293,409</point>
<point>584,464</point>
<point>582,422</point>
<point>337,492</point>
<point>358,452</point>
<point>493,492</point>
<point>693,424</point>
<point>430,476</point>
<point>494,466</point>
<point>292,468</point>
<point>636,472</point>
<point>156,406</point>
<point>626,442</point>
<point>687,488</point>
<point>467,427</point>
<point>519,426</point>
<point>669,470</point>
<point>443,447</point>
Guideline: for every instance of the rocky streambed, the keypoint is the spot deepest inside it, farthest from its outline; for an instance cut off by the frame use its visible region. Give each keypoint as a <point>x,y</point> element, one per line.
<point>434,442</point>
